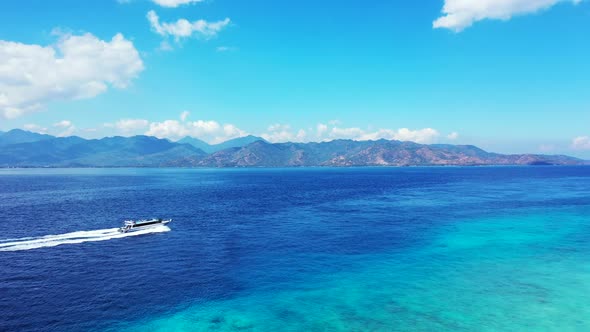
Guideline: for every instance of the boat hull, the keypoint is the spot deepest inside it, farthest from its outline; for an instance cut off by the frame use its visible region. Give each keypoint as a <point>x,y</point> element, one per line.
<point>143,225</point>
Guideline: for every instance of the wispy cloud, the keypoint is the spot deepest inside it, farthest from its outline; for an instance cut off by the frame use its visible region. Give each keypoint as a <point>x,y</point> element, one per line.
<point>226,49</point>
<point>63,124</point>
<point>184,28</point>
<point>461,14</point>
<point>174,3</point>
<point>581,143</point>
<point>184,115</point>
<point>165,46</point>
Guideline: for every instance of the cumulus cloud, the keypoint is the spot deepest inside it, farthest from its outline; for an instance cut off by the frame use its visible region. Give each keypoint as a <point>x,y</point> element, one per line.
<point>426,135</point>
<point>129,125</point>
<point>61,129</point>
<point>183,28</point>
<point>35,128</point>
<point>321,129</point>
<point>76,67</point>
<point>210,131</point>
<point>346,133</point>
<point>64,128</point>
<point>230,131</point>
<point>174,3</point>
<point>278,133</point>
<point>168,129</point>
<point>453,136</point>
<point>325,132</point>
<point>461,14</point>
<point>581,143</point>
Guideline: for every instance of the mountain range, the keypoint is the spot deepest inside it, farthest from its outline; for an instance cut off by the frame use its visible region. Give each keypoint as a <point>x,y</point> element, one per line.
<point>211,148</point>
<point>19,148</point>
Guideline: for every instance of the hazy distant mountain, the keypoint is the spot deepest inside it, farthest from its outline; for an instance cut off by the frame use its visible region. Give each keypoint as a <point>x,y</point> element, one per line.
<point>16,136</point>
<point>145,151</point>
<point>197,143</point>
<point>238,142</point>
<point>113,151</point>
<point>211,148</point>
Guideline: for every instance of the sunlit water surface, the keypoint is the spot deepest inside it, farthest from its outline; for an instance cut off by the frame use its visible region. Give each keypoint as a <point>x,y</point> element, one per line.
<point>372,249</point>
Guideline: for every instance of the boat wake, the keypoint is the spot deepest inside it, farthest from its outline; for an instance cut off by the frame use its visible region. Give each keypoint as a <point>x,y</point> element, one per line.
<point>28,243</point>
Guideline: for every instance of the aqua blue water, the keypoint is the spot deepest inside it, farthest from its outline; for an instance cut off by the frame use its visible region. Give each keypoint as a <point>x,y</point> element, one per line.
<point>370,249</point>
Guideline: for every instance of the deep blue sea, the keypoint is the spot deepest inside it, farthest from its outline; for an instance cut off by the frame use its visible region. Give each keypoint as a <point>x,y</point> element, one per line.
<point>312,249</point>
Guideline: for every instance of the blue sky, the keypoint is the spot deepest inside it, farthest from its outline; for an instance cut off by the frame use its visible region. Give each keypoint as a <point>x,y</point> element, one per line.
<point>508,77</point>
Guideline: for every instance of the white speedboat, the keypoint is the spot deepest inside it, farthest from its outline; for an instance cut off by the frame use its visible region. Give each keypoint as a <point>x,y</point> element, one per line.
<point>131,225</point>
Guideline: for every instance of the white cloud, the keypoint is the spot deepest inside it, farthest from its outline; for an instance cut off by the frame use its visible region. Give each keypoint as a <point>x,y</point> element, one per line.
<point>323,132</point>
<point>301,135</point>
<point>210,131</point>
<point>232,131</point>
<point>226,49</point>
<point>165,46</point>
<point>278,133</point>
<point>168,129</point>
<point>204,127</point>
<point>278,127</point>
<point>182,28</point>
<point>581,143</point>
<point>453,136</point>
<point>63,124</point>
<point>460,14</point>
<point>65,128</point>
<point>76,67</point>
<point>184,115</point>
<point>174,3</point>
<point>61,129</point>
<point>321,129</point>
<point>131,125</point>
<point>425,136</point>
<point>35,128</point>
<point>67,132</point>
<point>346,133</point>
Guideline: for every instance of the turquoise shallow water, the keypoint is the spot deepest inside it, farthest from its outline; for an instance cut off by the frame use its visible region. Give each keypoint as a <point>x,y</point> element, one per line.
<point>520,272</point>
<point>510,269</point>
<point>416,249</point>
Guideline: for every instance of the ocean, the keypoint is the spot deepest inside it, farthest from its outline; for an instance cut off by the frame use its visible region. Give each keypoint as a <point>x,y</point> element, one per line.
<point>302,249</point>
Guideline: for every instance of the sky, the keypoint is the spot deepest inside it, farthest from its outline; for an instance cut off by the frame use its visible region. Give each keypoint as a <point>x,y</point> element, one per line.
<point>510,76</point>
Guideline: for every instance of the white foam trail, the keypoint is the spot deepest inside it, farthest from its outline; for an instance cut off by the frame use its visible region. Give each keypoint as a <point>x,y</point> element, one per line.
<point>28,243</point>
